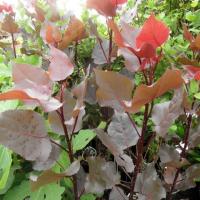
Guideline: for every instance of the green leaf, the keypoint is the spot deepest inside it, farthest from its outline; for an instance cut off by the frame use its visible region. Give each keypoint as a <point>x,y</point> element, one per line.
<point>8,105</point>
<point>5,71</point>
<point>22,191</point>
<point>48,192</point>
<point>5,164</point>
<point>82,139</point>
<point>102,125</point>
<point>10,180</point>
<point>194,3</point>
<point>197,95</point>
<point>88,197</point>
<point>19,192</point>
<point>32,60</point>
<point>194,87</point>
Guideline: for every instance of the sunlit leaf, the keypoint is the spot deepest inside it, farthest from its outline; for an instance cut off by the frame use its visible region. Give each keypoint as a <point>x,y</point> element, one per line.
<point>75,31</point>
<point>60,67</point>
<point>153,32</point>
<point>145,94</point>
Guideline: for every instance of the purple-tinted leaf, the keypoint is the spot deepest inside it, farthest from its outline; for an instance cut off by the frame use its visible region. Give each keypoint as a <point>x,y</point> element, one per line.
<point>24,132</point>
<point>164,114</point>
<point>53,157</point>
<point>102,175</point>
<point>149,185</point>
<point>122,132</point>
<point>117,194</point>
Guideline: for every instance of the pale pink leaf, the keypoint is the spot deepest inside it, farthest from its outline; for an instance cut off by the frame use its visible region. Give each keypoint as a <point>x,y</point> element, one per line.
<point>60,67</point>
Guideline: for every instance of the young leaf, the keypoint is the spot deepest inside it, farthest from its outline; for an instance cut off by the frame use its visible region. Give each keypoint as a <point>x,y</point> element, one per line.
<point>153,32</point>
<point>22,131</point>
<point>75,31</point>
<point>145,94</point>
<point>104,7</point>
<point>186,34</point>
<point>50,34</point>
<point>60,67</point>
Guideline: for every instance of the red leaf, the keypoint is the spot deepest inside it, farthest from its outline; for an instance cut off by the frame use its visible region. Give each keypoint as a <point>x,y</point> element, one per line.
<point>104,7</point>
<point>186,34</point>
<point>6,7</point>
<point>154,32</point>
<point>61,66</point>
<point>197,76</point>
<point>147,51</point>
<point>117,35</point>
<point>144,94</point>
<point>118,2</point>
<point>194,72</point>
<point>15,94</point>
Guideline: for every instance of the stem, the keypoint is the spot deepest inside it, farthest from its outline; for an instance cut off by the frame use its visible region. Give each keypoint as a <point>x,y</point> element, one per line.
<point>140,146</point>
<point>110,46</point>
<point>69,144</point>
<point>187,133</point>
<point>13,44</point>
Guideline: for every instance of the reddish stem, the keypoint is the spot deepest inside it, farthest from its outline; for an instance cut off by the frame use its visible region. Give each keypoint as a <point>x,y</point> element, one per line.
<point>140,146</point>
<point>13,44</point>
<point>68,140</point>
